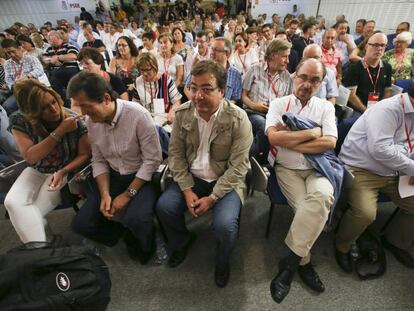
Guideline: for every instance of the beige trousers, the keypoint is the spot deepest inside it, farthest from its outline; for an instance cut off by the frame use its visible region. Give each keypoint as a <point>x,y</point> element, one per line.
<point>311,197</point>
<point>363,210</point>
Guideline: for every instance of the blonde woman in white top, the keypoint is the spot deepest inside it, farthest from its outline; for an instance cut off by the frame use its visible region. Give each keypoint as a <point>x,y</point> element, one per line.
<point>168,62</point>
<point>243,57</point>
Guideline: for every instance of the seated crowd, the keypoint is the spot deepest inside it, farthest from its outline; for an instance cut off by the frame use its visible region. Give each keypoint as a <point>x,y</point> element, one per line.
<point>208,93</point>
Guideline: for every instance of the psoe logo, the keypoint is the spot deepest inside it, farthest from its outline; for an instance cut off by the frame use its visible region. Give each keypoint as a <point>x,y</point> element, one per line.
<point>62,281</point>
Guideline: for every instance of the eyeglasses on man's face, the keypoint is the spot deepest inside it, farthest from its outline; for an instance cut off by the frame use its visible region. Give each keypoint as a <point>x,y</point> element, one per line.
<point>206,90</point>
<point>377,45</point>
<point>305,78</point>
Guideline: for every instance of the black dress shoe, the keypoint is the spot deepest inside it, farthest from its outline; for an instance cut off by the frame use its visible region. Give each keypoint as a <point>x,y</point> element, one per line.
<point>280,285</point>
<point>221,276</point>
<point>309,276</point>
<point>135,251</point>
<point>400,254</point>
<point>344,261</point>
<point>178,257</point>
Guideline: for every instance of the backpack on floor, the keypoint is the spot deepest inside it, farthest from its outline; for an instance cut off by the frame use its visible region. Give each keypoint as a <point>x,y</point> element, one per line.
<point>37,276</point>
<point>371,262</point>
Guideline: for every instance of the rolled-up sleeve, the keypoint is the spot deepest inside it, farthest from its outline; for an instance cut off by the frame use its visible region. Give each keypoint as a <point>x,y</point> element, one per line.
<point>380,141</point>
<point>99,164</point>
<point>149,143</point>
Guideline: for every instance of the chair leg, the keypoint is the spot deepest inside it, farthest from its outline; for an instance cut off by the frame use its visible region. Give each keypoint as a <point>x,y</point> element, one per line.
<point>269,220</point>
<point>394,213</point>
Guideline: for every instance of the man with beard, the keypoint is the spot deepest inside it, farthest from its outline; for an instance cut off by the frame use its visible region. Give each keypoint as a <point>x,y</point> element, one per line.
<point>308,193</point>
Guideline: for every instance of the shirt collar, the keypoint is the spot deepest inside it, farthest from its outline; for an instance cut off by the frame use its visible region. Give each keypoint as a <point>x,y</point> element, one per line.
<point>408,107</point>
<point>212,118</point>
<point>118,106</point>
<point>298,102</point>
<point>365,65</point>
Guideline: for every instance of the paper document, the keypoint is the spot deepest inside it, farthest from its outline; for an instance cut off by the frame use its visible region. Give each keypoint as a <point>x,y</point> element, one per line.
<point>343,96</point>
<point>159,105</point>
<point>395,89</point>
<point>404,188</point>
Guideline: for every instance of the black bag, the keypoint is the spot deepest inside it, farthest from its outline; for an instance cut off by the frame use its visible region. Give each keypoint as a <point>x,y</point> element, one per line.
<point>53,278</point>
<point>371,262</point>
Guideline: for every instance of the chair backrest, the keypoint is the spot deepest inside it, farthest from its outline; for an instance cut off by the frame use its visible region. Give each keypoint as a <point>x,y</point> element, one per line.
<point>260,176</point>
<point>8,176</point>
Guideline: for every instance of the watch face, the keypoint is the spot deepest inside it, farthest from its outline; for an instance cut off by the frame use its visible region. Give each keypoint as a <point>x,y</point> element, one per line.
<point>131,193</point>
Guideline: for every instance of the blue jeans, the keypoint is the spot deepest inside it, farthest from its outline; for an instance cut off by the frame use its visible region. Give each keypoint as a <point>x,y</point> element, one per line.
<point>171,208</point>
<point>137,217</point>
<point>7,143</point>
<point>10,105</point>
<point>260,142</point>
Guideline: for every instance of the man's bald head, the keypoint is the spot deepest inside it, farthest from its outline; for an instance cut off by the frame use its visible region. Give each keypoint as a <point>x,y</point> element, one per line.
<point>312,51</point>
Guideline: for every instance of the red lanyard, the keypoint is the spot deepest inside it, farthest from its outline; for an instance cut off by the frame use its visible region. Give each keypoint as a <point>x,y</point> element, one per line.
<point>272,85</point>
<point>17,73</point>
<point>166,65</point>
<point>406,127</point>
<point>288,106</point>
<point>370,77</point>
<point>243,61</point>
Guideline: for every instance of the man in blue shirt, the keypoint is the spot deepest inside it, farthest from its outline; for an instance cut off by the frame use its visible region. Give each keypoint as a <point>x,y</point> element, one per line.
<point>379,151</point>
<point>220,54</point>
<point>403,26</point>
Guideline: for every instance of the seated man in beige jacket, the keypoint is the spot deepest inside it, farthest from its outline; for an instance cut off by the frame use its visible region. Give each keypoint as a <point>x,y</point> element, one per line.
<point>208,158</point>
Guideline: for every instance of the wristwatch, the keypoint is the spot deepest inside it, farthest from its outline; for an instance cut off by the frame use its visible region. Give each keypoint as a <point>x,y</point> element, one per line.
<point>131,192</point>
<point>214,197</point>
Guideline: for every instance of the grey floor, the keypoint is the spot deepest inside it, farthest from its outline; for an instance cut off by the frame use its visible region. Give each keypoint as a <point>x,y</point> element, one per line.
<point>191,285</point>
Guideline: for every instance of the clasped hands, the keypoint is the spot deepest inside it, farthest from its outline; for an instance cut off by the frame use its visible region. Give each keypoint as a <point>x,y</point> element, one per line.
<point>197,206</point>
<point>109,208</point>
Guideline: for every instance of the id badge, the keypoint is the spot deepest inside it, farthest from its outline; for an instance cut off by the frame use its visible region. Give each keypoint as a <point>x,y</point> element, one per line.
<point>159,105</point>
<point>271,156</point>
<point>373,98</point>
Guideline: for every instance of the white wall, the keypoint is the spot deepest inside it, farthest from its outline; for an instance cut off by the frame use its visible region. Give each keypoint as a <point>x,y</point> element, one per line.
<point>40,11</point>
<point>386,13</point>
<point>283,7</point>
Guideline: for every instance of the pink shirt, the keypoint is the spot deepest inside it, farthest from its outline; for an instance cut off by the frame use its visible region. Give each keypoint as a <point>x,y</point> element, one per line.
<point>128,145</point>
<point>331,58</point>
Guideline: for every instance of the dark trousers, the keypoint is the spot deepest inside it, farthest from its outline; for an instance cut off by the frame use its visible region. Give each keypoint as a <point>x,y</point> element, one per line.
<point>59,79</point>
<point>260,143</point>
<point>137,216</point>
<point>171,208</point>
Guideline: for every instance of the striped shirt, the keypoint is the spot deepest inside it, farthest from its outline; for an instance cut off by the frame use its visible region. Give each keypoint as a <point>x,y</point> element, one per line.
<point>16,70</point>
<point>145,93</point>
<point>264,88</point>
<point>65,49</point>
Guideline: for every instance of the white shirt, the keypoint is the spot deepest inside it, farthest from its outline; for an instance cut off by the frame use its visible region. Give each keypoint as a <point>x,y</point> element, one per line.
<point>245,61</point>
<point>318,110</point>
<point>170,65</point>
<point>201,167</point>
<point>342,47</point>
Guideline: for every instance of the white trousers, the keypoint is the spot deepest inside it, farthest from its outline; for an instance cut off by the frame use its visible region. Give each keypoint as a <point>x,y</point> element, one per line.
<point>28,201</point>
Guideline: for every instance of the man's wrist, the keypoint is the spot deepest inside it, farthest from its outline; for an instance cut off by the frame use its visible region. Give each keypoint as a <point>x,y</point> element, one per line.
<point>214,197</point>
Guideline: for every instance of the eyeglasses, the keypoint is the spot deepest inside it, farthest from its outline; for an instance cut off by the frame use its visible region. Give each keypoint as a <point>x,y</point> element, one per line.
<point>145,69</point>
<point>215,50</point>
<point>204,90</point>
<point>377,45</point>
<point>304,78</point>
